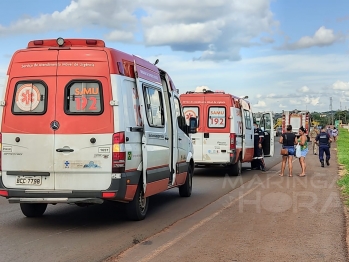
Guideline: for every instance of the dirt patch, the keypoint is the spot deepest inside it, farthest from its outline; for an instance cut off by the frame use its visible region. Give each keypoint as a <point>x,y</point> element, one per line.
<point>342,170</point>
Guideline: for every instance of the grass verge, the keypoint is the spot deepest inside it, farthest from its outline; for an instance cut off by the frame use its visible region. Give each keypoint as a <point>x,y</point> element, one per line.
<point>343,160</point>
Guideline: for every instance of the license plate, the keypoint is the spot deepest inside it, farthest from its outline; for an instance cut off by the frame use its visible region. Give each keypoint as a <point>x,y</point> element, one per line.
<point>29,180</point>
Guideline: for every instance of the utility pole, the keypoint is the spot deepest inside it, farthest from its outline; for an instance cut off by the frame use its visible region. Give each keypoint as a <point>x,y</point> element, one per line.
<point>331,110</point>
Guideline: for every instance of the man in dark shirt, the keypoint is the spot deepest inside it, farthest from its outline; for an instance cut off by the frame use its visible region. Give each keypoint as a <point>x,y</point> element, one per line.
<point>258,161</point>
<point>323,139</point>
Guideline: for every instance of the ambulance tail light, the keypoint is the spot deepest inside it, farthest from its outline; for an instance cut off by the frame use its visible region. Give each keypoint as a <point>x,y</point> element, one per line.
<point>119,154</point>
<point>232,141</point>
<point>3,193</point>
<point>108,194</point>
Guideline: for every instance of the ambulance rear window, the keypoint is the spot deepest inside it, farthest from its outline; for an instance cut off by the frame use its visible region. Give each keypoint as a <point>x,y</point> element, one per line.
<point>191,111</point>
<point>30,98</point>
<point>83,98</point>
<point>154,107</point>
<point>216,117</point>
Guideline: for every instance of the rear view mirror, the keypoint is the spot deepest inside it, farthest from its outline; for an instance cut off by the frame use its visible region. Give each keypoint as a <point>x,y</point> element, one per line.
<point>193,125</point>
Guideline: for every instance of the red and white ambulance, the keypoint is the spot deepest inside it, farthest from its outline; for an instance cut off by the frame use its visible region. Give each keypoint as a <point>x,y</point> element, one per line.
<point>82,123</point>
<point>225,133</point>
<point>296,119</point>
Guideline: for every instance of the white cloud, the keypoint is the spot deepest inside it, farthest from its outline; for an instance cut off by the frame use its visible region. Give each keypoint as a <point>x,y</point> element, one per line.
<point>268,40</point>
<point>304,89</point>
<point>121,36</point>
<point>282,106</point>
<point>217,29</point>
<point>260,104</point>
<point>201,88</point>
<point>295,102</point>
<point>115,15</point>
<point>271,95</point>
<point>258,95</point>
<point>311,100</point>
<point>340,85</point>
<point>322,37</point>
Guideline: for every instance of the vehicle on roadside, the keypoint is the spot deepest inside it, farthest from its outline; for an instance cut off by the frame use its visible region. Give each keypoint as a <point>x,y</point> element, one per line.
<point>296,118</point>
<point>225,134</point>
<point>83,123</point>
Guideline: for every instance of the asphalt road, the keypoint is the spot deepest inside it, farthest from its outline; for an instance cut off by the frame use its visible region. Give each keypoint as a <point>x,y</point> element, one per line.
<point>71,233</point>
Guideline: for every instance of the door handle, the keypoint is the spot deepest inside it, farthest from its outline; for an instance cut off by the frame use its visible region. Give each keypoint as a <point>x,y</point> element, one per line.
<point>64,150</point>
<point>166,138</point>
<point>179,139</point>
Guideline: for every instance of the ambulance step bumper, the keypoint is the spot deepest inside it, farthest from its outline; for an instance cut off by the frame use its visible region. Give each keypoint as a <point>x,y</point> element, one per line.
<point>56,200</point>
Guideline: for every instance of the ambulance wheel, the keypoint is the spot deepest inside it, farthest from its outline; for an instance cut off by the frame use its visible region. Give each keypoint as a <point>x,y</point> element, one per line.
<point>236,168</point>
<point>138,207</point>
<point>33,210</point>
<point>186,188</point>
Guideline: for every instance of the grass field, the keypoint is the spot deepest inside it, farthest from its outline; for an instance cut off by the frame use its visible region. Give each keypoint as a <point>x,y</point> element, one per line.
<point>343,159</point>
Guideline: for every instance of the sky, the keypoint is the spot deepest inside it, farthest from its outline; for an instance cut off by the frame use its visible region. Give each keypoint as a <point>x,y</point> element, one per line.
<point>282,54</point>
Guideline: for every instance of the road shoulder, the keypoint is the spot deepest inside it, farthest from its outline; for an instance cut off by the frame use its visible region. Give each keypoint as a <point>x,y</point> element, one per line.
<point>269,218</point>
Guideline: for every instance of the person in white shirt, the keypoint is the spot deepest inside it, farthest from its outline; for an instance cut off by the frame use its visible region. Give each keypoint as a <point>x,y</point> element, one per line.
<point>335,134</point>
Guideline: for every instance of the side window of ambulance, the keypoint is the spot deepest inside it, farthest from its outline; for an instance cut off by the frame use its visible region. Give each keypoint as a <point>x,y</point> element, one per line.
<point>177,107</point>
<point>179,114</point>
<point>29,98</point>
<point>191,111</point>
<point>83,98</point>
<point>216,117</point>
<point>248,120</point>
<point>154,107</point>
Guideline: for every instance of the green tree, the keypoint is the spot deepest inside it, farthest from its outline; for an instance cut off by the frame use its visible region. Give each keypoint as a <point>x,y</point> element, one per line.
<point>341,115</point>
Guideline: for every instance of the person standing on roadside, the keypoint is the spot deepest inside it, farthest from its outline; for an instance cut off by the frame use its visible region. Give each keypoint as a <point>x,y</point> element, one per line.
<point>324,141</point>
<point>313,135</point>
<point>288,140</point>
<point>258,161</point>
<point>335,134</point>
<point>303,142</point>
<point>329,131</point>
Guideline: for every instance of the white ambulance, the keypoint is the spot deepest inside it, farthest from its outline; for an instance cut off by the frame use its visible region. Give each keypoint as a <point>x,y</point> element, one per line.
<point>225,133</point>
<point>82,123</point>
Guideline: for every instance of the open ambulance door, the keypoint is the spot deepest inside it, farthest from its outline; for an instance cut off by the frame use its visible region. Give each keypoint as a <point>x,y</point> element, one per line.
<point>267,125</point>
<point>247,129</point>
<point>155,139</point>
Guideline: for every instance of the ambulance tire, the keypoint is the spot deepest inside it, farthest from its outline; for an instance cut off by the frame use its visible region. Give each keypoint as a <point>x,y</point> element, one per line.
<point>186,188</point>
<point>33,210</point>
<point>236,168</point>
<point>137,209</point>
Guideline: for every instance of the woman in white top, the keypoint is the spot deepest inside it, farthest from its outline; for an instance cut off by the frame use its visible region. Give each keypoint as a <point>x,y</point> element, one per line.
<point>335,133</point>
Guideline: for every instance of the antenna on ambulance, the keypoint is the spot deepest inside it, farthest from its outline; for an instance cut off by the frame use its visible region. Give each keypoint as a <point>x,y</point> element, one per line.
<point>156,61</point>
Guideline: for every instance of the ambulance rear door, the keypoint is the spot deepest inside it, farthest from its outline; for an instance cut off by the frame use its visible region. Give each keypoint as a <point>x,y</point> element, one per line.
<point>84,121</point>
<point>216,136</point>
<point>247,132</point>
<point>267,124</point>
<point>27,134</point>
<point>195,110</point>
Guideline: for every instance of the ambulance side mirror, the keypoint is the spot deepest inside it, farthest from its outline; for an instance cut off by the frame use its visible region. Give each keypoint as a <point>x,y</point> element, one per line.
<point>193,125</point>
